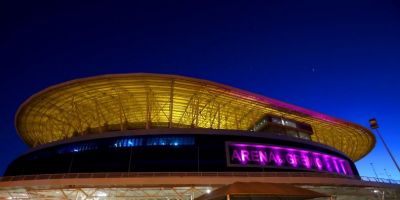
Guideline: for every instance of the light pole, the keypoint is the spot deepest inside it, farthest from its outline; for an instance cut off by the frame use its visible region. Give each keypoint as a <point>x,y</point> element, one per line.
<point>387,174</point>
<point>373,168</point>
<point>374,125</point>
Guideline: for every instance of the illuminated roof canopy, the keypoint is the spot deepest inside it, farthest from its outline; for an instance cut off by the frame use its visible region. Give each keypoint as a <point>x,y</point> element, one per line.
<point>137,101</point>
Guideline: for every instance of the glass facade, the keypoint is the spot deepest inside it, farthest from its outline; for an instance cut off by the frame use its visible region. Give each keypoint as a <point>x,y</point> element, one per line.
<point>76,148</point>
<point>154,141</point>
<point>131,142</point>
<point>153,153</point>
<point>282,126</point>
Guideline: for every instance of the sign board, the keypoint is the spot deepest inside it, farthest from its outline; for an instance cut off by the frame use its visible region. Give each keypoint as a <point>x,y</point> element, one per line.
<point>269,156</point>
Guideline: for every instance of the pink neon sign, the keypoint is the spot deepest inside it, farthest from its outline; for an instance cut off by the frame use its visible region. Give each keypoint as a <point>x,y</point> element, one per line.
<point>260,155</point>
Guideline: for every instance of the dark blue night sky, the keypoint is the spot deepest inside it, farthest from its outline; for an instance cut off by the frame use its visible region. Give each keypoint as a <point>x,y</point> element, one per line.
<point>341,58</point>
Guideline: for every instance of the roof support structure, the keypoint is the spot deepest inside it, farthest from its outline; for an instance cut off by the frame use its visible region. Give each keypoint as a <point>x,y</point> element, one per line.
<point>144,101</point>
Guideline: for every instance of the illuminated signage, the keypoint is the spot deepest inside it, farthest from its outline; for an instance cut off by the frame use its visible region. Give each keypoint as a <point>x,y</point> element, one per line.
<point>260,155</point>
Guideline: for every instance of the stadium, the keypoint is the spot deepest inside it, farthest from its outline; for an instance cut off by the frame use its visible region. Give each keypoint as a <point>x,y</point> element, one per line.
<point>153,136</point>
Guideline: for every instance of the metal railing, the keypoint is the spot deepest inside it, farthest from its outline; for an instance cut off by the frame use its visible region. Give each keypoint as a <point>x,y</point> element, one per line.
<point>185,174</point>
<point>380,180</point>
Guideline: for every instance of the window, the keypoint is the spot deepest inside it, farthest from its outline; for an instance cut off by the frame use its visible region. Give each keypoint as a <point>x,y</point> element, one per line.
<point>304,136</point>
<point>289,123</point>
<point>276,120</point>
<point>129,142</point>
<point>169,141</point>
<point>154,141</point>
<point>75,148</point>
<point>292,133</point>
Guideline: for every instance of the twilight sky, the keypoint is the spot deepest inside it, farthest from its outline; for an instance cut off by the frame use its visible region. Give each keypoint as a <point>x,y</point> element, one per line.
<point>341,58</point>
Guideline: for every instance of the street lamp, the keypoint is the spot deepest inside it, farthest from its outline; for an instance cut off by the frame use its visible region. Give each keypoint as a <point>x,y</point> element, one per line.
<point>374,125</point>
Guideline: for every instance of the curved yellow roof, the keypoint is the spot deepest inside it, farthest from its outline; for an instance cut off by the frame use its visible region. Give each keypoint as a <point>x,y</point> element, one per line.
<point>133,101</point>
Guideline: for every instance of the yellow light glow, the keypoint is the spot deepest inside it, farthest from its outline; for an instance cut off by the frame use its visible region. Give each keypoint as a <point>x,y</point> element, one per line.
<point>138,101</point>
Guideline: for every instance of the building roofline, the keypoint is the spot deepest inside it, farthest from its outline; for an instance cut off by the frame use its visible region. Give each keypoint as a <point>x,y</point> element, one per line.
<point>239,93</point>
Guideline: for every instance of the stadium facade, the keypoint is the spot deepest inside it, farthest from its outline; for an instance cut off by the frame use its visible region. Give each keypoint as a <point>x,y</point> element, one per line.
<point>152,136</point>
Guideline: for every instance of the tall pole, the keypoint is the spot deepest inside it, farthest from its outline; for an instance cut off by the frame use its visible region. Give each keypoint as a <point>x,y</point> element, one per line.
<point>373,169</point>
<point>374,125</point>
<point>388,150</point>
<point>387,174</point>
<point>130,160</point>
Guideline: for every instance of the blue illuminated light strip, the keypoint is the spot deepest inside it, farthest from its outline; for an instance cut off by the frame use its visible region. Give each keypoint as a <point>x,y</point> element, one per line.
<point>129,142</point>
<point>78,148</point>
<point>154,141</point>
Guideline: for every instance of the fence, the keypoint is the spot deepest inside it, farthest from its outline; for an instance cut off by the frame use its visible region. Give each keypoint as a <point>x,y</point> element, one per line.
<point>183,174</point>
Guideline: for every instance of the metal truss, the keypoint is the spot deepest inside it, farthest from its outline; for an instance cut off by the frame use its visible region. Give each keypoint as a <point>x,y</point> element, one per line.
<point>117,193</point>
<point>143,101</point>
